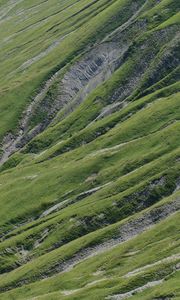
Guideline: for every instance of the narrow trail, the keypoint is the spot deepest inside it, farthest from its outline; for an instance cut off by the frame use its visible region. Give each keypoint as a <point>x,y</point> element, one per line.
<point>113,148</point>
<point>135,291</point>
<point>126,24</point>
<point>67,202</point>
<point>164,260</point>
<point>42,54</point>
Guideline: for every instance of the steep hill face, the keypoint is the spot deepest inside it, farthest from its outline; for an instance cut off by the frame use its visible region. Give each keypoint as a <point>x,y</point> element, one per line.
<point>89,159</point>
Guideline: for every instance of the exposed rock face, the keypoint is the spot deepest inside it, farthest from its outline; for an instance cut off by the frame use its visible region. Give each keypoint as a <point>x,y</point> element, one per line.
<point>95,67</point>
<point>63,92</point>
<point>77,83</point>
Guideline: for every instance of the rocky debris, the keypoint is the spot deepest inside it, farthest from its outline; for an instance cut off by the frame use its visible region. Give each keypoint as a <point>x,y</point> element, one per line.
<point>158,182</point>
<point>109,109</point>
<point>91,178</point>
<point>91,191</point>
<point>77,83</point>
<point>5,235</point>
<point>114,149</point>
<point>13,143</point>
<point>163,64</point>
<point>70,292</point>
<point>98,273</point>
<point>146,196</point>
<point>122,28</point>
<point>31,177</point>
<point>96,66</point>
<point>99,64</point>
<point>177,185</point>
<point>127,231</point>
<point>24,254</point>
<point>165,260</point>
<point>67,202</point>
<point>55,208</point>
<point>89,72</point>
<point>135,291</point>
<point>96,281</point>
<point>21,254</point>
<point>177,267</point>
<point>44,234</point>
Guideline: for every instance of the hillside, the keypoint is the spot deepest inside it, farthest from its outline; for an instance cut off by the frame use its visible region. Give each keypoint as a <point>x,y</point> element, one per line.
<point>89,155</point>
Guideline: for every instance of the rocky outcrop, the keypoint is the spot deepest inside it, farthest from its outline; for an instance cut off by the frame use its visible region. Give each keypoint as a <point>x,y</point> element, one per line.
<point>70,89</point>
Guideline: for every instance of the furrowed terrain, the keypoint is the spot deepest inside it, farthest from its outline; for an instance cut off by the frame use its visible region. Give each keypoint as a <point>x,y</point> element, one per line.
<point>89,157</point>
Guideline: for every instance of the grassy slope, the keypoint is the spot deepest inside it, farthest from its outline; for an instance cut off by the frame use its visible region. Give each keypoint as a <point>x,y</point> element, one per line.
<point>113,265</point>
<point>20,88</point>
<point>131,156</point>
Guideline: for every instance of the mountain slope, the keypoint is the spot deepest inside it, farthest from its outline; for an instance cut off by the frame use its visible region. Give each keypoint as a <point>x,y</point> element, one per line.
<point>89,129</point>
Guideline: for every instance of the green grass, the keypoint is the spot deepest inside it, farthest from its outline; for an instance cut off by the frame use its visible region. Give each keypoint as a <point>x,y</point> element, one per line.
<point>115,263</point>
<point>105,171</point>
<point>67,50</point>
